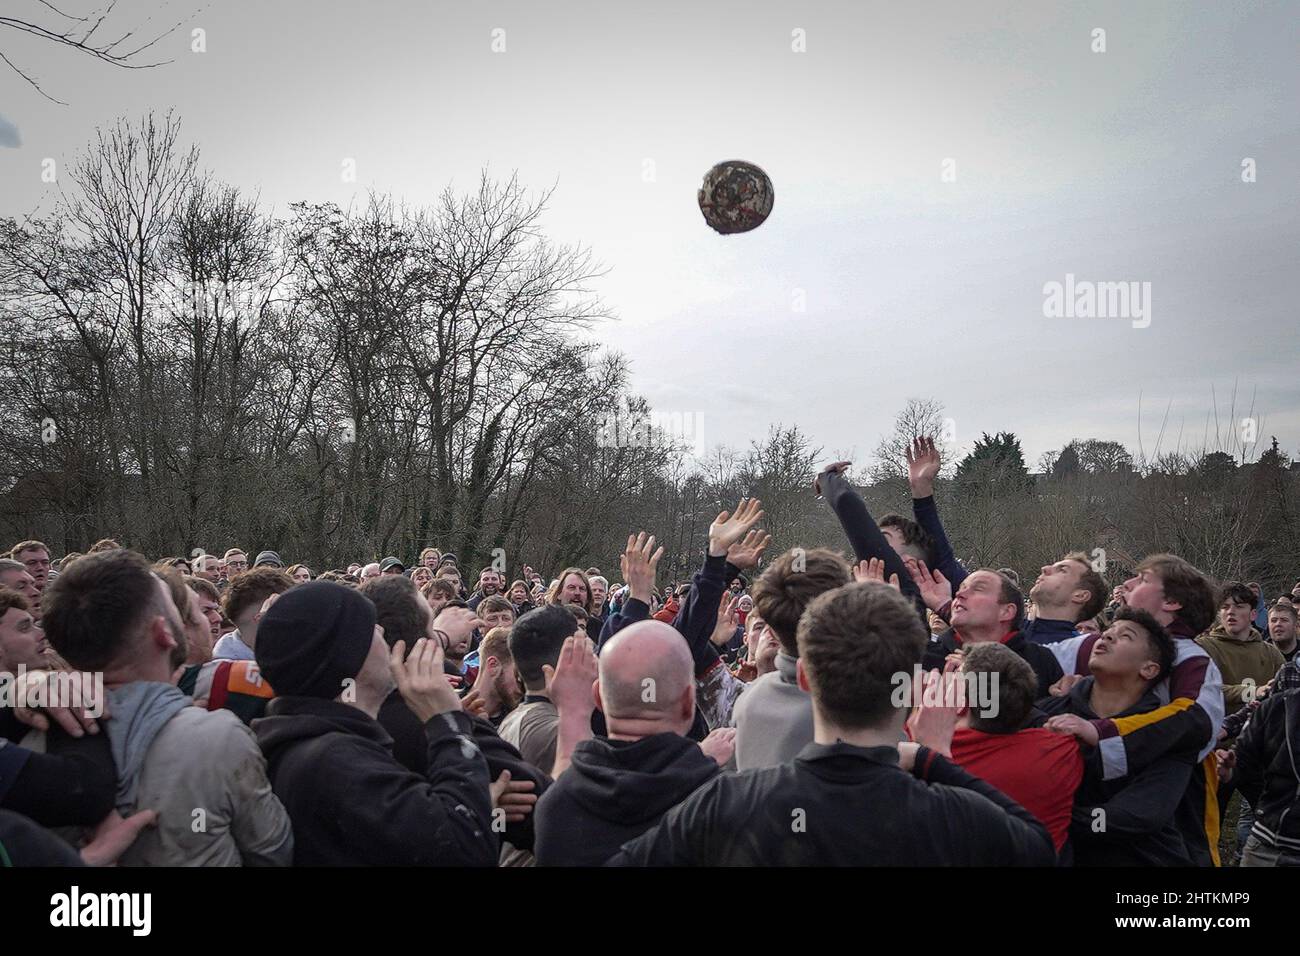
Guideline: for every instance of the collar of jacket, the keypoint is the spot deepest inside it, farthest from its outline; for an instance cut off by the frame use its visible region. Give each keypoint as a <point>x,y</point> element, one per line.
<point>1012,639</point>
<point>1081,695</point>
<point>787,668</point>
<point>340,716</point>
<point>847,761</point>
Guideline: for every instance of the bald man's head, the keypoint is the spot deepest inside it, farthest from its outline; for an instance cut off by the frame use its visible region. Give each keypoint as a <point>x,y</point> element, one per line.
<point>647,680</point>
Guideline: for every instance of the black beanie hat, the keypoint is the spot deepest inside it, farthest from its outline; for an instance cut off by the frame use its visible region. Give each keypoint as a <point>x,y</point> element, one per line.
<point>313,638</point>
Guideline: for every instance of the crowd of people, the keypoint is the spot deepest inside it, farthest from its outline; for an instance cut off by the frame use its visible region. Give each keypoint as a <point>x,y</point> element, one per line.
<point>797,708</point>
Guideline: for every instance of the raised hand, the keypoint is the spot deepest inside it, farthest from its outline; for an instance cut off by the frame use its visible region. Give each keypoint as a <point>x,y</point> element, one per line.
<point>569,682</point>
<point>745,553</point>
<point>936,590</point>
<point>420,679</point>
<point>838,468</point>
<point>923,465</point>
<point>933,725</point>
<point>725,629</point>
<point>728,529</point>
<point>638,564</point>
<point>873,570</point>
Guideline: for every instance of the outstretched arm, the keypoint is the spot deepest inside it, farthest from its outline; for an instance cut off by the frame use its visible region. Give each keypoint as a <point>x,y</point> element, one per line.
<point>865,537</point>
<point>923,464</point>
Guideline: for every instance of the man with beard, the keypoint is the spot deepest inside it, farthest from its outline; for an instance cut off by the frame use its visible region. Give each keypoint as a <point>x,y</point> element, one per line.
<point>489,584</point>
<point>497,684</point>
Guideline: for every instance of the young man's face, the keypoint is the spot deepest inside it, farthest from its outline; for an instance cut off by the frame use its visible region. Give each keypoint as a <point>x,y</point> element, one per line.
<point>37,563</point>
<point>1145,591</point>
<point>21,641</point>
<point>236,564</point>
<point>1124,649</point>
<point>573,591</point>
<point>978,602</point>
<point>1235,617</point>
<point>301,575</point>
<point>1281,627</point>
<point>198,630</point>
<point>430,561</point>
<point>211,612</point>
<point>500,618</point>
<point>1057,582</point>
<point>489,582</point>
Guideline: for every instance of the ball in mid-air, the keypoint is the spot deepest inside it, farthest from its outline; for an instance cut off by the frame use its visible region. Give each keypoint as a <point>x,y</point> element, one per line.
<point>736,196</point>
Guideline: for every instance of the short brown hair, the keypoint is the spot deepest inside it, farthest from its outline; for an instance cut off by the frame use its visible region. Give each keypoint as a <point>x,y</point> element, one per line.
<point>204,588</point>
<point>253,587</point>
<point>22,546</point>
<point>854,641</point>
<point>1185,584</point>
<point>495,602</point>
<point>396,609</point>
<point>1093,583</point>
<point>440,586</point>
<point>91,611</point>
<point>9,598</point>
<point>1017,687</point>
<point>496,643</point>
<point>790,583</point>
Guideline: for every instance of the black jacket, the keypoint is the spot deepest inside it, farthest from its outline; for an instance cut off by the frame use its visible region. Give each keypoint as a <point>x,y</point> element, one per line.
<point>1130,820</point>
<point>411,748</point>
<point>74,783</point>
<point>841,805</point>
<point>352,804</point>
<point>1046,667</point>
<point>1268,769</point>
<point>613,791</point>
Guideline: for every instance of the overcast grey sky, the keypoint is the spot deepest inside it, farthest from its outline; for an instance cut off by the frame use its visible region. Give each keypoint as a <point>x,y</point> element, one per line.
<point>1123,165</point>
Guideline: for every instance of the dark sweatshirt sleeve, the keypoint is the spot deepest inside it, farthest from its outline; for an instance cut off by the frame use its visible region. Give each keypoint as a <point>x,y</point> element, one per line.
<point>1030,843</point>
<point>1189,722</point>
<point>865,536</point>
<point>698,615</point>
<point>926,513</point>
<point>633,610</point>
<point>444,819</point>
<point>500,756</point>
<point>1253,752</point>
<point>73,784</point>
<point>1145,804</point>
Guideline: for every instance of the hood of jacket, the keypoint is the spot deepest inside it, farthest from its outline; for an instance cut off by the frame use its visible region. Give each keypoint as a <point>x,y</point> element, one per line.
<point>635,781</point>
